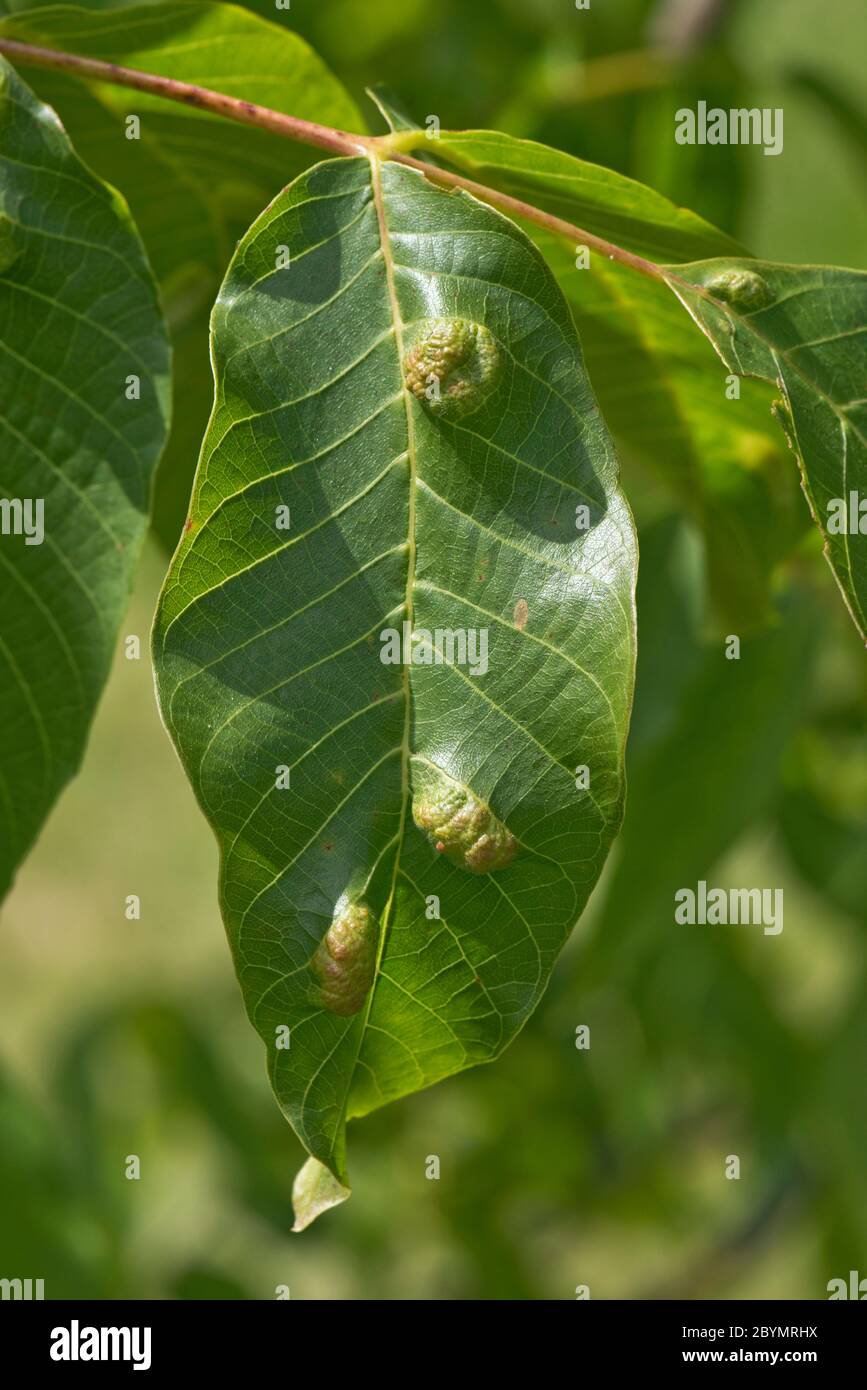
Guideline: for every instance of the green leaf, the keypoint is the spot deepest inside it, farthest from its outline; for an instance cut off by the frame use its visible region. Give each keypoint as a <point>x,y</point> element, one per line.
<point>390,108</point>
<point>663,391</point>
<point>660,388</point>
<point>722,758</point>
<point>194,182</point>
<point>702,994</point>
<point>600,200</point>
<point>80,318</point>
<point>823,807</point>
<point>457,515</point>
<point>805,329</point>
<point>672,612</point>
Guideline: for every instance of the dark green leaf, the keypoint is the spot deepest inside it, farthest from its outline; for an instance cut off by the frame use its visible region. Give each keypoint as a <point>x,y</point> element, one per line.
<point>803,328</point>
<point>823,807</point>
<point>721,759</point>
<point>194,182</point>
<point>80,320</point>
<point>458,516</point>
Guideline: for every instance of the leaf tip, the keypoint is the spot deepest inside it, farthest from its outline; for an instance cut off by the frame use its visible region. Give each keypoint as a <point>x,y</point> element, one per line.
<point>314,1191</point>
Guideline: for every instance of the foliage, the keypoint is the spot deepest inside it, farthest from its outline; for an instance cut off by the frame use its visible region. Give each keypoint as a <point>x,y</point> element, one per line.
<point>453,511</point>
<point>84,379</point>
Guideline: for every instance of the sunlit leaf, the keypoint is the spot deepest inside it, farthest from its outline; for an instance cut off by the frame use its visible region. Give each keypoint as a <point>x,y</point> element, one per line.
<point>662,390</point>
<point>461,515</point>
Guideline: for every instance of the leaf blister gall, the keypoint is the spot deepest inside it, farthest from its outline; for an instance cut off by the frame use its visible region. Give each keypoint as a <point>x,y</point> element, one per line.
<point>344,962</point>
<point>452,366</point>
<point>743,289</point>
<point>461,826</point>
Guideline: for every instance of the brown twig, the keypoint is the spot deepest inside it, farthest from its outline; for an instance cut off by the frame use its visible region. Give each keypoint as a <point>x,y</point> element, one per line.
<point>338,142</point>
<point>202,98</point>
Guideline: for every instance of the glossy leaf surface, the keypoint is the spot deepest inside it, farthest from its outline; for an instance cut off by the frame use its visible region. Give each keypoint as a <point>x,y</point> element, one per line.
<point>331,506</point>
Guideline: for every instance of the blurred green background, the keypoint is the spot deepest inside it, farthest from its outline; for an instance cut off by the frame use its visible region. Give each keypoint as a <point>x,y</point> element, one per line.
<point>559,1166</point>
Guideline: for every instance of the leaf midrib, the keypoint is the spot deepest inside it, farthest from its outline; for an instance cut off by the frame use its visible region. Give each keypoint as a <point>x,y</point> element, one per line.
<point>406,750</point>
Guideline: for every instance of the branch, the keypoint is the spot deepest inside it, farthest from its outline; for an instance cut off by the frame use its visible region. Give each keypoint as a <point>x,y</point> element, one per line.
<point>338,142</point>
<point>218,103</point>
<point>517,208</point>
